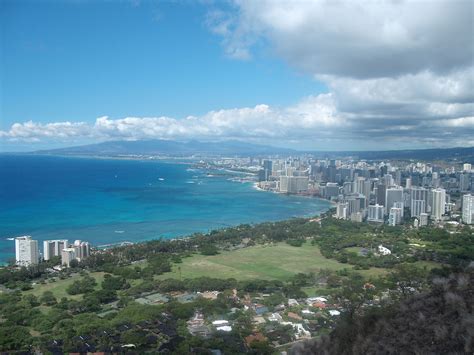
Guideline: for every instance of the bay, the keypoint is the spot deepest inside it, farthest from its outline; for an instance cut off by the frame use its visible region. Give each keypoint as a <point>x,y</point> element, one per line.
<point>106,201</point>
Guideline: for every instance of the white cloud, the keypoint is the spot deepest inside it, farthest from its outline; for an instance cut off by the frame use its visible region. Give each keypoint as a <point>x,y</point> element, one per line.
<point>399,73</point>
<point>31,131</point>
<point>311,122</point>
<point>355,39</point>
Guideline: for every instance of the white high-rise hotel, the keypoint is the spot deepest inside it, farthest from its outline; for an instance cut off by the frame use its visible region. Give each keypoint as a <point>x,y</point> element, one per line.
<point>438,206</point>
<point>53,248</point>
<point>468,209</point>
<point>26,251</point>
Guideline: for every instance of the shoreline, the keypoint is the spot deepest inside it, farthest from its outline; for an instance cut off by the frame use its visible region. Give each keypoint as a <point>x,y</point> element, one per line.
<point>142,236</point>
<point>258,188</point>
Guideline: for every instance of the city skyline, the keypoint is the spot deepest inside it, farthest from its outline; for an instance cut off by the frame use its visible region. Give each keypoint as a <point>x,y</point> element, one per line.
<point>288,74</point>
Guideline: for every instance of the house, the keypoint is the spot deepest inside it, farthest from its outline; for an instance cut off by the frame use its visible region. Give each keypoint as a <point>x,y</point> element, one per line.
<point>197,327</point>
<point>295,316</point>
<point>224,328</point>
<point>318,304</point>
<point>275,317</point>
<point>301,332</point>
<point>210,295</point>
<point>384,251</point>
<point>292,302</point>
<point>334,312</point>
<point>260,309</point>
<point>280,307</point>
<point>311,300</point>
<point>258,320</point>
<point>257,337</point>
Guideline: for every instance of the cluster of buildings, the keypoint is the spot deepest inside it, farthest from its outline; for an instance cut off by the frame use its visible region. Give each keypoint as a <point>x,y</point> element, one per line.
<point>284,176</point>
<point>379,192</point>
<point>27,252</point>
<point>306,318</point>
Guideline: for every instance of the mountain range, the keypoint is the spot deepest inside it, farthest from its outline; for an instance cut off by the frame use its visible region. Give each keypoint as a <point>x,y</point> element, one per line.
<point>238,148</point>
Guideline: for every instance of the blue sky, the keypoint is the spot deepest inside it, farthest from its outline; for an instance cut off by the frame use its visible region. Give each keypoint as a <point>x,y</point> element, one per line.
<point>75,60</point>
<point>302,74</point>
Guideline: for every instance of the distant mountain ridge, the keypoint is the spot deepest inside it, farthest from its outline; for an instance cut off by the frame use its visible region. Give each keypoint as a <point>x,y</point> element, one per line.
<point>171,148</point>
<point>238,148</point>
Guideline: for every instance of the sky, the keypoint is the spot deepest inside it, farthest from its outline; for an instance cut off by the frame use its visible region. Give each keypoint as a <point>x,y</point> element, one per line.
<point>320,75</point>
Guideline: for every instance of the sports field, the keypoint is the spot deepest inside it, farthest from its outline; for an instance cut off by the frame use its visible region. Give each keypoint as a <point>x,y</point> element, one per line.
<point>279,261</point>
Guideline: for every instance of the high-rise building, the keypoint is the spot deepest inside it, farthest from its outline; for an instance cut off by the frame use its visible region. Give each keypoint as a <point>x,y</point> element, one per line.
<point>267,168</point>
<point>417,207</point>
<point>359,185</point>
<point>438,205</point>
<point>464,182</point>
<point>408,183</point>
<point>347,188</point>
<point>401,206</point>
<point>357,217</point>
<point>26,251</point>
<point>331,190</point>
<point>388,180</point>
<point>398,178</point>
<point>68,255</point>
<point>395,216</point>
<point>468,209</point>
<point>341,210</point>
<point>81,249</point>
<point>423,219</point>
<point>393,194</point>
<point>381,195</point>
<point>467,167</point>
<point>293,184</point>
<point>376,213</point>
<point>53,248</point>
<point>418,194</point>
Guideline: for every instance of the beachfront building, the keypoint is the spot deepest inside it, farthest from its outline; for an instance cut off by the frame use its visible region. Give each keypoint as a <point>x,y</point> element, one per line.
<point>342,210</point>
<point>53,248</point>
<point>68,255</point>
<point>26,251</point>
<point>293,184</point>
<point>82,249</point>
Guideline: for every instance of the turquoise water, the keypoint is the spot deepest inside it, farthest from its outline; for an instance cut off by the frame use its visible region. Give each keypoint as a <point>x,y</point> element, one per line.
<point>107,201</point>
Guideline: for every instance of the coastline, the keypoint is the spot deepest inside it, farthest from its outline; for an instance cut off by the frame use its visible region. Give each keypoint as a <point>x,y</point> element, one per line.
<point>98,228</point>
<point>258,188</point>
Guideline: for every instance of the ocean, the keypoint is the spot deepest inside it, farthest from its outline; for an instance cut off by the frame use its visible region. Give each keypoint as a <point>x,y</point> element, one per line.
<point>106,201</point>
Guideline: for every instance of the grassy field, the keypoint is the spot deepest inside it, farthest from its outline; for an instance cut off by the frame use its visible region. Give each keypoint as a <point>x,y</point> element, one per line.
<point>280,261</point>
<point>58,288</point>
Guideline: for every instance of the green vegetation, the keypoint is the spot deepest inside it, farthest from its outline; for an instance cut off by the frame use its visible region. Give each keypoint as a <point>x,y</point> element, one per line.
<point>278,261</point>
<point>145,294</point>
<point>58,287</point>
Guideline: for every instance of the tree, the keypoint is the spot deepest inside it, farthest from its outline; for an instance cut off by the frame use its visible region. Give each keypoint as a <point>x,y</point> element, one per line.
<point>14,338</point>
<point>353,294</point>
<point>407,279</point>
<point>209,249</point>
<point>85,285</point>
<point>32,300</point>
<point>48,298</point>
<point>114,283</point>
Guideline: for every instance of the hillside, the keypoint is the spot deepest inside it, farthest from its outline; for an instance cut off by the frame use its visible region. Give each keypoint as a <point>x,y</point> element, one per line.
<point>439,321</point>
<point>238,148</point>
<point>170,148</point>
